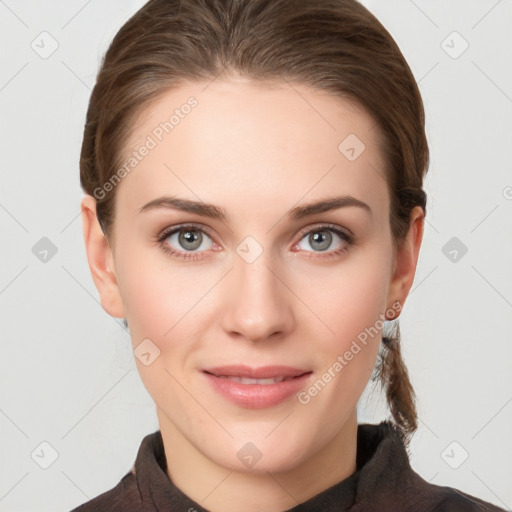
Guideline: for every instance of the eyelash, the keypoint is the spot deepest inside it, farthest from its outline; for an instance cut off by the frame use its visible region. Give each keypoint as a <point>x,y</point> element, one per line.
<point>191,256</point>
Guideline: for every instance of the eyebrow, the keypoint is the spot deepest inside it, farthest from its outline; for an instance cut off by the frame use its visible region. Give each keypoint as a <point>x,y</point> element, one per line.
<point>215,212</point>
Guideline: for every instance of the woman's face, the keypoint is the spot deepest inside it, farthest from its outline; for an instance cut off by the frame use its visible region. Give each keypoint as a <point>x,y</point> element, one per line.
<point>259,276</point>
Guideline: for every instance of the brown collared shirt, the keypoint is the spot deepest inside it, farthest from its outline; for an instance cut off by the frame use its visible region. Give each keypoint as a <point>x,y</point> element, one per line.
<point>383,482</point>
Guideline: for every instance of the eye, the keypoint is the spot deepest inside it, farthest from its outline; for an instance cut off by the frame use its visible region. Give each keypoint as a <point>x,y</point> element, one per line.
<point>184,241</point>
<point>321,239</point>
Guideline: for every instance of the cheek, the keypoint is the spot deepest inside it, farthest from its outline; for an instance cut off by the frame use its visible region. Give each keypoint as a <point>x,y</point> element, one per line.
<point>163,307</point>
<point>350,305</point>
<point>168,304</point>
<point>156,292</point>
<point>352,296</point>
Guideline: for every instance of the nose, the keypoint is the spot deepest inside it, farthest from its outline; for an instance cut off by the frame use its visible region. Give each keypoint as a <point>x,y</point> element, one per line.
<point>259,305</point>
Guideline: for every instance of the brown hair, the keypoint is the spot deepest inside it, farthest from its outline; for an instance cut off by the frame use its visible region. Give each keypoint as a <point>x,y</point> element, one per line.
<point>335,46</point>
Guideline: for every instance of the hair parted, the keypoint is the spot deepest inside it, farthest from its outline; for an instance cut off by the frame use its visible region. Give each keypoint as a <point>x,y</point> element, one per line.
<point>334,46</point>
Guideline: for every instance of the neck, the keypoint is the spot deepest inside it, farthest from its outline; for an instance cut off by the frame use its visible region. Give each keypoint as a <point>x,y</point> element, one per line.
<point>221,489</point>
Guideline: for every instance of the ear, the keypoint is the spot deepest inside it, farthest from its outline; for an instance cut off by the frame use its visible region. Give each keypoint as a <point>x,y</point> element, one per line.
<point>101,260</point>
<point>406,259</point>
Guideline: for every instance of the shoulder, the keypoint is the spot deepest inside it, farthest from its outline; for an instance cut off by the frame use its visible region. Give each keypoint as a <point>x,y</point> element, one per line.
<point>134,489</point>
<point>115,499</point>
<point>458,501</point>
<point>448,499</point>
<point>388,483</point>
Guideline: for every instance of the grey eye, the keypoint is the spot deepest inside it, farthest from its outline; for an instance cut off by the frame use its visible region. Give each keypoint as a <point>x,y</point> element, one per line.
<point>320,240</point>
<point>190,239</point>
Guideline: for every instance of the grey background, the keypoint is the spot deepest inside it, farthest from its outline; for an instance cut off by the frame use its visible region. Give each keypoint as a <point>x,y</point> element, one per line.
<point>68,376</point>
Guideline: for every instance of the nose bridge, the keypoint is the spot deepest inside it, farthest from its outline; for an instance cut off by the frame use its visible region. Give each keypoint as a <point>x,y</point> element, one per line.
<point>258,306</point>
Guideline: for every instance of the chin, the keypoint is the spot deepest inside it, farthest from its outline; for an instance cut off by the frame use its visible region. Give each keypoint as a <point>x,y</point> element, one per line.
<point>280,454</point>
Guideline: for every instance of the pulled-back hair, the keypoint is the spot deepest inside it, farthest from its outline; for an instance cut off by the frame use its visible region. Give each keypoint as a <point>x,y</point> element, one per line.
<point>334,46</point>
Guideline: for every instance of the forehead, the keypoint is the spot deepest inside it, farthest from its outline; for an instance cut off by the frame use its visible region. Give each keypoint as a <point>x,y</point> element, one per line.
<point>248,141</point>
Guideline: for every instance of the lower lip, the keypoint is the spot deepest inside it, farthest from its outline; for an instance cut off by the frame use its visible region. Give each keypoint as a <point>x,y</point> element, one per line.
<point>257,396</point>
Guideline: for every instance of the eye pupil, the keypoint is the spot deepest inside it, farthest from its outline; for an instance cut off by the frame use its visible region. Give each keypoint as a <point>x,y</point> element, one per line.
<point>324,238</point>
<point>188,239</point>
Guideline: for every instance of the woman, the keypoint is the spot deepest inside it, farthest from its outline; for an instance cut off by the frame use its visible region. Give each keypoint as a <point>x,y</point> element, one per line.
<point>255,210</point>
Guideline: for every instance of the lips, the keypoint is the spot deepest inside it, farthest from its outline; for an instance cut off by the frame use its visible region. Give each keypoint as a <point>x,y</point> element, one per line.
<point>263,372</point>
<point>249,380</point>
<point>257,388</point>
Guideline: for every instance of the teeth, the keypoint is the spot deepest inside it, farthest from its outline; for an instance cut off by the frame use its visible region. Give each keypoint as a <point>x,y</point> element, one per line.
<point>248,380</point>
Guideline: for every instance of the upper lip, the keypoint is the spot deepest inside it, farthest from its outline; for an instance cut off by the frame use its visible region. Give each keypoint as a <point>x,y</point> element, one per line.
<point>263,372</point>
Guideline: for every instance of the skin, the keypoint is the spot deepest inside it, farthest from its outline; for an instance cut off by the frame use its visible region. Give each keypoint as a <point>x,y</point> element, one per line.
<point>257,151</point>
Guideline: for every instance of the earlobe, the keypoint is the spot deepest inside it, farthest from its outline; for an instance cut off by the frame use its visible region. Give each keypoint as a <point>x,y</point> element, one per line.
<point>406,259</point>
<point>101,261</point>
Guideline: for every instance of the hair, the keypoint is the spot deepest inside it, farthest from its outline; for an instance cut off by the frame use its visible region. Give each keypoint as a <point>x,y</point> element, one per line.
<point>333,46</point>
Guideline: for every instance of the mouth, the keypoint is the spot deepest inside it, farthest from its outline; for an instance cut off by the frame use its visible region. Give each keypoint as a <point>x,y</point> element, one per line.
<point>262,372</point>
<point>257,388</point>
<point>248,380</point>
